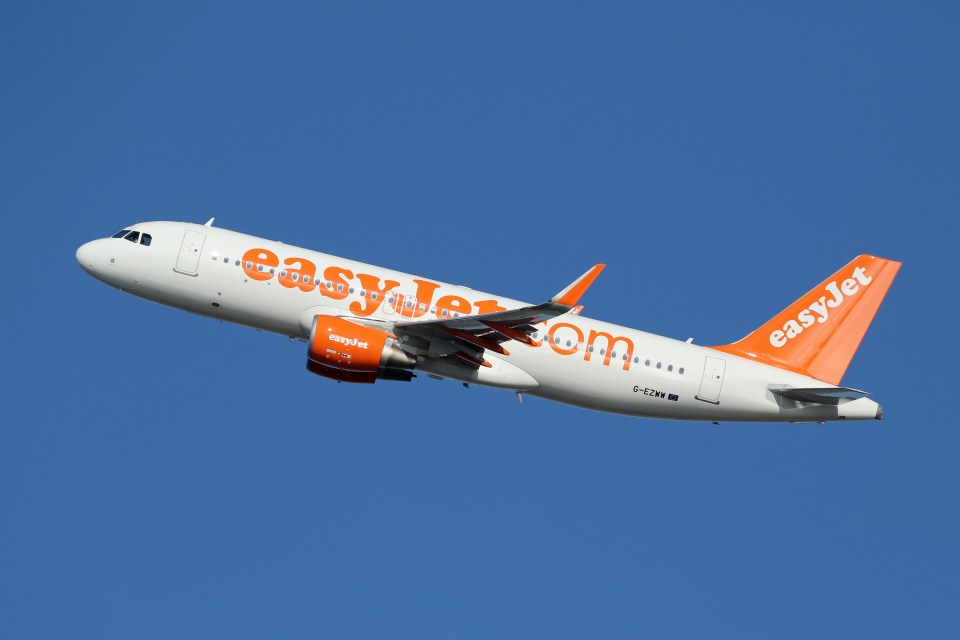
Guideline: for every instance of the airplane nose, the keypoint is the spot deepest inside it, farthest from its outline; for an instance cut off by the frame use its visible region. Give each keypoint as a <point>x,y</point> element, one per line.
<point>86,257</point>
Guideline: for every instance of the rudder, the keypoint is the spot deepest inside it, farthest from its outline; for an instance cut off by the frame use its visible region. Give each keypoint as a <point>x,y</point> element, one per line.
<point>819,333</point>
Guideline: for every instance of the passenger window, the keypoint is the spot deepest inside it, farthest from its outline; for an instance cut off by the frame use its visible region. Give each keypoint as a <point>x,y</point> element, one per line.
<point>443,313</point>
<point>626,357</point>
<point>374,295</point>
<point>669,367</point>
<point>259,267</point>
<point>237,263</point>
<point>146,239</point>
<point>283,274</point>
<point>423,307</point>
<point>646,362</point>
<point>249,265</point>
<point>340,287</point>
<point>226,260</point>
<point>680,370</point>
<point>658,365</point>
<point>133,236</point>
<point>590,348</point>
<point>613,354</point>
<point>603,351</point>
<point>636,359</point>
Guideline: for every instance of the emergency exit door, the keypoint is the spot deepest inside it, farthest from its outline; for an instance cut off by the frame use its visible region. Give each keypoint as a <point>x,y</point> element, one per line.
<point>189,256</point>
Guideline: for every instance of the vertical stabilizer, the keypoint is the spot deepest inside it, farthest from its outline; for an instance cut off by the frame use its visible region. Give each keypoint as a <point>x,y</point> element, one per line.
<point>819,333</point>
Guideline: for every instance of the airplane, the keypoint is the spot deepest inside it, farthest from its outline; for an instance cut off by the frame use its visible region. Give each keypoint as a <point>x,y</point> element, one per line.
<point>364,323</point>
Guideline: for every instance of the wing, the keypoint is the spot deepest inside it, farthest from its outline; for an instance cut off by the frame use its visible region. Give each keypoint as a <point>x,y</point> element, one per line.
<point>468,337</point>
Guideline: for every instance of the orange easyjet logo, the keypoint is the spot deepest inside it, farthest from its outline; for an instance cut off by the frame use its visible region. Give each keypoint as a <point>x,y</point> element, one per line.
<point>818,311</point>
<point>350,342</point>
<point>566,339</point>
<point>335,283</point>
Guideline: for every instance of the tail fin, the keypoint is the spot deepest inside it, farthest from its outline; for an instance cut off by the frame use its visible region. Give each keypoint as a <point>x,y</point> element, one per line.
<point>819,333</point>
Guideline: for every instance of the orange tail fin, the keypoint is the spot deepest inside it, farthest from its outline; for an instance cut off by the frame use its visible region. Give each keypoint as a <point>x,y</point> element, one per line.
<point>819,333</point>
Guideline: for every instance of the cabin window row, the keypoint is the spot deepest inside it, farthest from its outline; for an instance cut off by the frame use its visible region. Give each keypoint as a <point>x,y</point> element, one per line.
<point>373,295</point>
<point>409,302</point>
<point>613,354</point>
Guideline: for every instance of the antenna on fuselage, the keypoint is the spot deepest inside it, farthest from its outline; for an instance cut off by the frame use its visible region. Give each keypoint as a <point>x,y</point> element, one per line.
<point>209,223</point>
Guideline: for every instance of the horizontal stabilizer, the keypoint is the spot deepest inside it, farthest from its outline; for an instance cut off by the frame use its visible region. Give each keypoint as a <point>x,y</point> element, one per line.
<point>828,395</point>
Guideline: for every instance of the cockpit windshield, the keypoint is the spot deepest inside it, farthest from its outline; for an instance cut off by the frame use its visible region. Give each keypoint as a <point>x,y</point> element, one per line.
<point>134,237</point>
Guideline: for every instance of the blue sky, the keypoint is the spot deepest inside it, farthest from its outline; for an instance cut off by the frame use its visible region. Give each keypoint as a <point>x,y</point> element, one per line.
<point>163,475</point>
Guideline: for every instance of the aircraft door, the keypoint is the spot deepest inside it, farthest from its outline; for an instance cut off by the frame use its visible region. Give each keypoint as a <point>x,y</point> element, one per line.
<point>190,249</point>
<point>712,380</point>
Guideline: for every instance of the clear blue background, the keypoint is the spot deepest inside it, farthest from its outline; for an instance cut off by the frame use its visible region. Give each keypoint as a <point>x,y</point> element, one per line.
<point>164,475</point>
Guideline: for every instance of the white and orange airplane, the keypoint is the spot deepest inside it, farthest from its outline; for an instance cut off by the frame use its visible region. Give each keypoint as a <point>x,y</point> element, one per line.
<point>362,323</point>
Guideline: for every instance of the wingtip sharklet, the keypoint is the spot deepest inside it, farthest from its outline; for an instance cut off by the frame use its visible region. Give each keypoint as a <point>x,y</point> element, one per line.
<point>572,294</point>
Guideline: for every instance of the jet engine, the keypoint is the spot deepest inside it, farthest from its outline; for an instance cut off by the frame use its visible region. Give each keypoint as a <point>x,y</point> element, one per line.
<point>349,352</point>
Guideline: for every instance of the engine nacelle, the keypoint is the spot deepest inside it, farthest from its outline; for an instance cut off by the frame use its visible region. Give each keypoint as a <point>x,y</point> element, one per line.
<point>350,352</point>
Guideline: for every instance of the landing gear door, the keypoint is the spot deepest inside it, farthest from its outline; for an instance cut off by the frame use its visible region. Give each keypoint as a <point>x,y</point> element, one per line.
<point>712,380</point>
<point>189,256</point>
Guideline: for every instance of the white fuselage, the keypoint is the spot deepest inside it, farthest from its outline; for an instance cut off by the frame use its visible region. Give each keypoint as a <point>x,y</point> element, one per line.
<point>581,361</point>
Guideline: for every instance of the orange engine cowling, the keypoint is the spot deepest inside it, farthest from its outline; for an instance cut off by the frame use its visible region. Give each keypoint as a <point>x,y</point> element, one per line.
<point>350,352</point>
